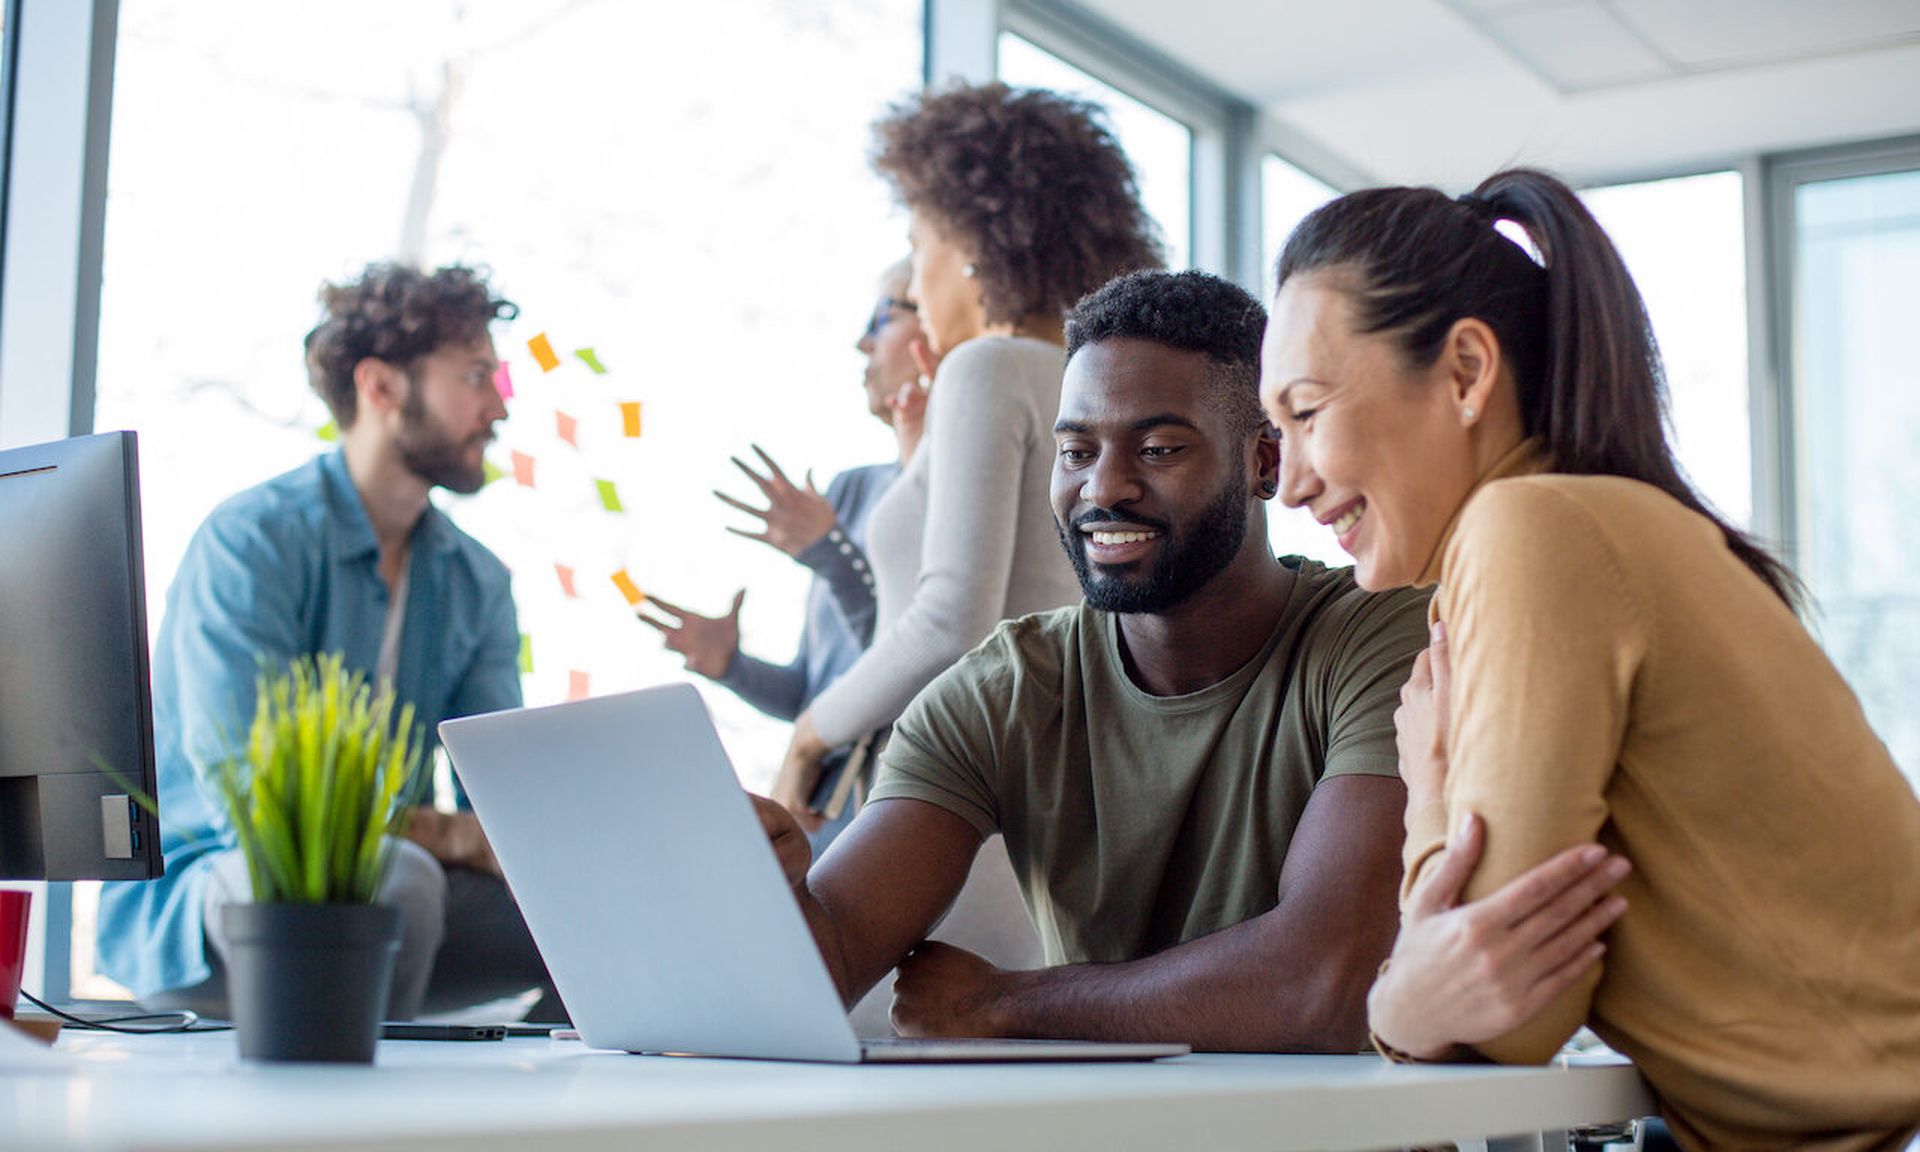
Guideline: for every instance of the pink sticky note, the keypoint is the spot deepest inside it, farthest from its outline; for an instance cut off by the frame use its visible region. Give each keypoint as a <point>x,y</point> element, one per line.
<point>503,381</point>
<point>576,685</point>
<point>566,580</point>
<point>523,469</point>
<point>567,426</point>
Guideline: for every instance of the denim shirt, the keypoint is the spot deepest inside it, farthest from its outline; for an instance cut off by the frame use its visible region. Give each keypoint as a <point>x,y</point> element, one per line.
<point>287,568</point>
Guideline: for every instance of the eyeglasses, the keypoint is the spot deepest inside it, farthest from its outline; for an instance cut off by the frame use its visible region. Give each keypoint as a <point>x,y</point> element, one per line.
<point>883,314</point>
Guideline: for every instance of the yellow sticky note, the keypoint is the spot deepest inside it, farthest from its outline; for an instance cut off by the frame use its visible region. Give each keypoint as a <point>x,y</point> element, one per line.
<point>591,361</point>
<point>566,580</point>
<point>609,496</point>
<point>576,684</point>
<point>628,588</point>
<point>543,353</point>
<point>567,426</point>
<point>330,432</point>
<point>630,419</point>
<point>526,654</point>
<point>523,469</point>
<point>489,472</point>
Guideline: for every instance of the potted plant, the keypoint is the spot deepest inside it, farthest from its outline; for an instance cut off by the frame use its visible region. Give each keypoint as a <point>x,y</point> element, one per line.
<point>314,798</point>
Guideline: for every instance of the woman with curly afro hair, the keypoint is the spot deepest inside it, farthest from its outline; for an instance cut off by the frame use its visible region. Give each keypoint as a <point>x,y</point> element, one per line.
<point>1019,202</point>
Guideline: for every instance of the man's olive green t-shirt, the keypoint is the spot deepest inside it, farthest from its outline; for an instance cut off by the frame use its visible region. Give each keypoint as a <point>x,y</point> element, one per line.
<point>1136,822</point>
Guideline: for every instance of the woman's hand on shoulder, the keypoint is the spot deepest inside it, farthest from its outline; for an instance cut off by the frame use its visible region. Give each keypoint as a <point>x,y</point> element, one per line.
<point>1463,974</point>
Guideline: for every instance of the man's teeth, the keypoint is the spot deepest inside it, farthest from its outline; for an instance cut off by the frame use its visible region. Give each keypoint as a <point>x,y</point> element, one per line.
<point>1348,520</point>
<point>1112,538</point>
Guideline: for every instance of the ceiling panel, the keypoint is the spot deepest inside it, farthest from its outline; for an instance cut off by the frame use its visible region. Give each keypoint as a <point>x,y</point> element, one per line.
<point>1444,91</point>
<point>1723,33</point>
<point>1575,46</point>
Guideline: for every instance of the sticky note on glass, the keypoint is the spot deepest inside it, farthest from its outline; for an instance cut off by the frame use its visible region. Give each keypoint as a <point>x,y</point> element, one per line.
<point>330,432</point>
<point>567,426</point>
<point>576,685</point>
<point>523,469</point>
<point>591,361</point>
<point>526,654</point>
<point>628,588</point>
<point>566,579</point>
<point>503,381</point>
<point>630,419</point>
<point>543,353</point>
<point>489,472</point>
<point>609,496</point>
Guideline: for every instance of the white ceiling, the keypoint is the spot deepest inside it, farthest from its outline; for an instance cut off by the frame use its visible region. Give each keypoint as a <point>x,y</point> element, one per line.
<point>1446,91</point>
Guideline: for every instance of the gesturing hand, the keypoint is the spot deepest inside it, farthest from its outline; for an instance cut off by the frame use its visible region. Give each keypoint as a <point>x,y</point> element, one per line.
<point>708,642</point>
<point>909,402</point>
<point>1466,973</point>
<point>794,518</point>
<point>1420,723</point>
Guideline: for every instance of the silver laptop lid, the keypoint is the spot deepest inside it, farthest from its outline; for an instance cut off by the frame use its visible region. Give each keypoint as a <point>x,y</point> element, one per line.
<point>646,880</point>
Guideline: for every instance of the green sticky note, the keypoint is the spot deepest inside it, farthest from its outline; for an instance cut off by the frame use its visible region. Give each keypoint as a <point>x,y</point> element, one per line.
<point>526,654</point>
<point>330,432</point>
<point>489,473</point>
<point>591,361</point>
<point>609,496</point>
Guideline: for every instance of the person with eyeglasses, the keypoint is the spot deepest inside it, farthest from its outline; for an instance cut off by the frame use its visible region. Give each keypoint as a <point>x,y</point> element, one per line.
<point>825,531</point>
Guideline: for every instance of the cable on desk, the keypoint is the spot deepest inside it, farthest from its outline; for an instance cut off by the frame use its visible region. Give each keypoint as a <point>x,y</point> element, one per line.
<point>180,1021</point>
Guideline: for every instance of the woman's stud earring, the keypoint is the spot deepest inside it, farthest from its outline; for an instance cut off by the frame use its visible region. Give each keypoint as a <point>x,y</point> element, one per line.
<point>968,271</point>
<point>1469,413</point>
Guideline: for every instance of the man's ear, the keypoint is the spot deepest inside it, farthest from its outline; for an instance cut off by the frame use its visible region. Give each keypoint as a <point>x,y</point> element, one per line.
<point>1266,459</point>
<point>1474,360</point>
<point>379,386</point>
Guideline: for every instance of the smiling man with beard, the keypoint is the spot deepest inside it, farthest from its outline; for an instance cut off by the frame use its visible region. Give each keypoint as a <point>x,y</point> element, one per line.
<point>1194,770</point>
<point>346,554</point>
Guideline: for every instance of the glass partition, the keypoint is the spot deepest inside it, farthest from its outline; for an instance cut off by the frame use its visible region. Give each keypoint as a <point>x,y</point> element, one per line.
<point>1856,413</point>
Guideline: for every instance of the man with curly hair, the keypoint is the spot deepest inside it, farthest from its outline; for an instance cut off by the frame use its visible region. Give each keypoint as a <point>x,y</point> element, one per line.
<point>1194,770</point>
<point>346,554</point>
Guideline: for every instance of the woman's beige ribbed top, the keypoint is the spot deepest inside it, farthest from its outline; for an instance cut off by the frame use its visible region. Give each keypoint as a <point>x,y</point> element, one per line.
<point>1618,673</point>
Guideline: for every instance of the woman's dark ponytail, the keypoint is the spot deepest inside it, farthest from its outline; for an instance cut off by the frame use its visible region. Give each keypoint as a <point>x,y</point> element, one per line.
<point>1573,325</point>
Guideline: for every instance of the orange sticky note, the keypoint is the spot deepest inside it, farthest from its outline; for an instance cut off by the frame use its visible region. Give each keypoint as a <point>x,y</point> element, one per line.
<point>566,426</point>
<point>503,381</point>
<point>543,353</point>
<point>630,419</point>
<point>566,580</point>
<point>628,588</point>
<point>576,685</point>
<point>523,469</point>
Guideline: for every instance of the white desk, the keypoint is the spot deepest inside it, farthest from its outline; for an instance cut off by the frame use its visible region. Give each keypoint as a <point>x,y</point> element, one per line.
<point>171,1092</point>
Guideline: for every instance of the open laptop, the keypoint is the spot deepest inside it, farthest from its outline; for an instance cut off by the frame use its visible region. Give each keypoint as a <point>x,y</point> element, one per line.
<point>654,896</point>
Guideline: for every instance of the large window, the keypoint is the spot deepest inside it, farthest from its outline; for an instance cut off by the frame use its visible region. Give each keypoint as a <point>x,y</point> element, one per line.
<point>1287,194</point>
<point>682,189</point>
<point>1856,413</point>
<point>1684,242</point>
<point>1160,147</point>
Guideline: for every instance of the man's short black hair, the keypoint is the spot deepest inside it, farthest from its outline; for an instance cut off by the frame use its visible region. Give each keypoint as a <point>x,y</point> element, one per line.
<point>1191,311</point>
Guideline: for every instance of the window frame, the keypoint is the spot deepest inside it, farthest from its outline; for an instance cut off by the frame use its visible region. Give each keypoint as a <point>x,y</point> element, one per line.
<point>1781,177</point>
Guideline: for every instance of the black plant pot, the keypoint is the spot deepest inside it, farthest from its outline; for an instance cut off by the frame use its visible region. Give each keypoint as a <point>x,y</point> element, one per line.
<point>309,981</point>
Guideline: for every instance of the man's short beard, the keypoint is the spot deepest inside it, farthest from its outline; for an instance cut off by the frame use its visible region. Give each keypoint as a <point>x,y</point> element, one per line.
<point>1191,555</point>
<point>430,454</point>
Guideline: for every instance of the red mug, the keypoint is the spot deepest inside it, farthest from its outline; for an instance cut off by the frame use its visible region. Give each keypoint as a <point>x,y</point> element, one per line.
<point>14,906</point>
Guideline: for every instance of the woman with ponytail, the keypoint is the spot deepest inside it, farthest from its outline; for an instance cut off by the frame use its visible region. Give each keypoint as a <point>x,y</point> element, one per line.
<point>1468,392</point>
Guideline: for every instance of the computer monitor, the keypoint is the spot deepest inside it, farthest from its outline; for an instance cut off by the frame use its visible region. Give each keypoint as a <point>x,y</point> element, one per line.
<point>76,711</point>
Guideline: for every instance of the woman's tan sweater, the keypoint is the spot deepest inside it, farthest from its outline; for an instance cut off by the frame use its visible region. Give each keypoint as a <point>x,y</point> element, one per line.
<point>1619,674</point>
